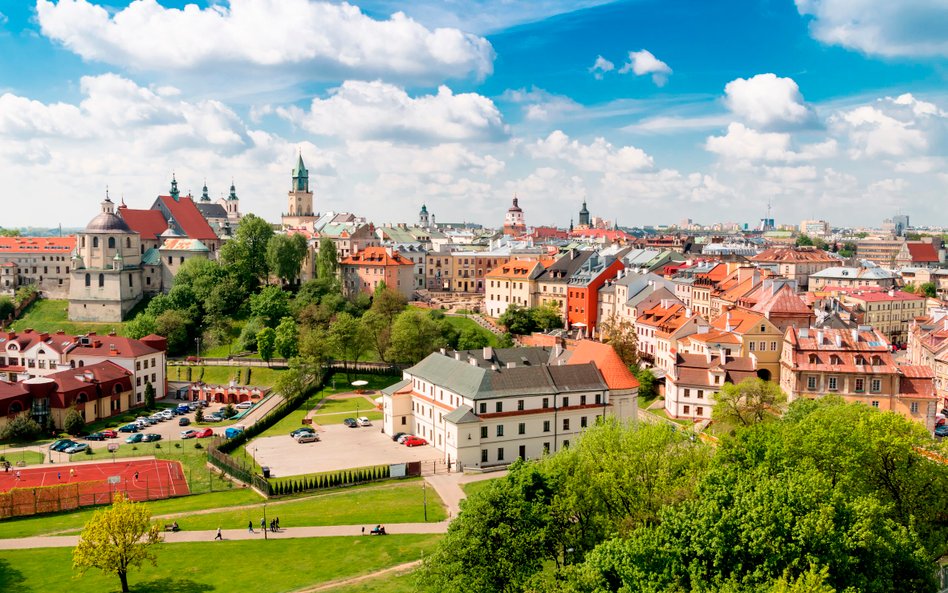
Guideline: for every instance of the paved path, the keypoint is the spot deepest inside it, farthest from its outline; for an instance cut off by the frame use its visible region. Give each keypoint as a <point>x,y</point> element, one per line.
<point>68,541</point>
<point>448,487</point>
<point>398,568</point>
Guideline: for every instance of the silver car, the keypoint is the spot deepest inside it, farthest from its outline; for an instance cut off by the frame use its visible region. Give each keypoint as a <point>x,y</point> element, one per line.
<point>307,438</point>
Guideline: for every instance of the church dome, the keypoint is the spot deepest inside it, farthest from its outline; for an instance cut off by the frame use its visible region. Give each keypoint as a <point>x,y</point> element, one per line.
<point>107,222</point>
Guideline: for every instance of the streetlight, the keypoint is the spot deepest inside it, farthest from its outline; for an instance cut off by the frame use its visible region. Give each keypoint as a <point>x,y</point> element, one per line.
<point>197,346</point>
<point>264,520</point>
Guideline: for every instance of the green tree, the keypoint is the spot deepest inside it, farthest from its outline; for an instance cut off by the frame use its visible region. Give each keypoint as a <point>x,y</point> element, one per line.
<point>285,255</point>
<point>547,317</point>
<point>414,336</point>
<point>647,388</point>
<point>327,261</point>
<point>21,428</point>
<point>73,423</point>
<point>266,343</point>
<point>199,414</point>
<point>473,338</point>
<point>228,411</point>
<point>271,305</point>
<point>173,325</point>
<point>140,326</point>
<point>9,232</point>
<point>246,253</point>
<point>287,338</point>
<point>517,320</point>
<point>620,334</point>
<point>378,332</point>
<point>347,340</point>
<point>804,240</point>
<point>248,334</point>
<point>747,402</point>
<point>929,290</point>
<point>117,539</point>
<point>315,346</point>
<point>6,308</point>
<point>505,340</point>
<point>149,395</point>
<point>387,303</point>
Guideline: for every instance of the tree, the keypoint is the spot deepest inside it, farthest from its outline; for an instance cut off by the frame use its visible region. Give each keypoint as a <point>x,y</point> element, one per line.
<point>246,253</point>
<point>327,261</point>
<point>910,288</point>
<point>747,402</point>
<point>287,338</point>
<point>248,335</point>
<point>271,305</point>
<point>266,343</point>
<point>414,336</point>
<point>387,303</point>
<point>21,428</point>
<point>473,338</point>
<point>285,255</point>
<point>647,388</point>
<point>517,320</point>
<point>929,290</point>
<point>229,411</point>
<point>620,334</point>
<point>173,325</point>
<point>73,423</point>
<point>804,240</point>
<point>149,395</point>
<point>140,326</point>
<point>378,332</point>
<point>315,347</point>
<point>117,539</point>
<point>347,340</point>
<point>547,317</point>
<point>7,308</point>
<point>199,414</point>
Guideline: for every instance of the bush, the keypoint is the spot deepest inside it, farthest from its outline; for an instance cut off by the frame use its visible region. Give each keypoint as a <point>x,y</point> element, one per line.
<point>198,446</point>
<point>229,411</point>
<point>199,414</point>
<point>73,424</point>
<point>21,428</point>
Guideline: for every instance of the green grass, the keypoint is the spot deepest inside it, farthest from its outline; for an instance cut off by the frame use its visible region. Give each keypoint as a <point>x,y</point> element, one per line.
<point>402,582</point>
<point>261,566</point>
<point>65,522</point>
<point>472,488</point>
<point>463,323</point>
<point>50,315</point>
<point>394,502</point>
<point>221,375</point>
<point>334,411</point>
<point>27,457</point>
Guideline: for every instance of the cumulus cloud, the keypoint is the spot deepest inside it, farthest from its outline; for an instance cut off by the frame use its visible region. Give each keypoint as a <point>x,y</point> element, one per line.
<point>379,110</point>
<point>741,143</point>
<point>767,101</point>
<point>541,105</point>
<point>643,62</point>
<point>600,67</point>
<point>309,39</point>
<point>599,155</point>
<point>906,28</point>
<point>895,127</point>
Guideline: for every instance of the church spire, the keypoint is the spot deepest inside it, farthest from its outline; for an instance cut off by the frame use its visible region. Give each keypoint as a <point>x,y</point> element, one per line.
<point>204,196</point>
<point>233,191</point>
<point>300,176</point>
<point>174,188</point>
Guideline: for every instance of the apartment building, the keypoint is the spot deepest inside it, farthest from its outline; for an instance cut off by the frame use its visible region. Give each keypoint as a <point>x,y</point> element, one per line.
<point>43,261</point>
<point>513,283</point>
<point>849,277</point>
<point>659,329</point>
<point>928,346</point>
<point>694,381</point>
<point>796,263</point>
<point>553,281</point>
<point>364,271</point>
<point>879,251</point>
<point>890,311</point>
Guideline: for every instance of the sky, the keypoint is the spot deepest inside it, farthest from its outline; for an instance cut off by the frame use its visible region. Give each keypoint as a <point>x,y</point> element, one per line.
<point>652,111</point>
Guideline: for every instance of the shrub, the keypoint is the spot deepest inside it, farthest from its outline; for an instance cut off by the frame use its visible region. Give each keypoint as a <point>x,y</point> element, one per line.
<point>198,446</point>
<point>21,428</point>
<point>73,424</point>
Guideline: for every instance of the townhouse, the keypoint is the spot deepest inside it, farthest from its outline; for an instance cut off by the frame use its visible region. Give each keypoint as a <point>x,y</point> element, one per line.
<point>694,381</point>
<point>553,281</point>
<point>582,291</point>
<point>796,263</point>
<point>364,271</point>
<point>928,346</point>
<point>660,328</point>
<point>849,277</point>
<point>43,261</point>
<point>513,283</point>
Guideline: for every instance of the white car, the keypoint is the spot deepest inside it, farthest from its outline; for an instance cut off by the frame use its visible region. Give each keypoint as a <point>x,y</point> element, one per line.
<point>363,421</point>
<point>244,405</point>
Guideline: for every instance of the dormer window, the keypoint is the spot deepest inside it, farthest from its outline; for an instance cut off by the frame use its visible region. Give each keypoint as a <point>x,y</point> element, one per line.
<point>834,359</point>
<point>814,359</point>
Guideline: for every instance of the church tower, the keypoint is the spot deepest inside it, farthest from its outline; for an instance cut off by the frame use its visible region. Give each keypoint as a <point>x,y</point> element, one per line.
<point>513,221</point>
<point>584,216</point>
<point>423,219</point>
<point>300,199</point>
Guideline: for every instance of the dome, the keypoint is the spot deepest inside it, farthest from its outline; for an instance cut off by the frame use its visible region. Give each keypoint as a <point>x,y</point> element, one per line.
<point>107,222</point>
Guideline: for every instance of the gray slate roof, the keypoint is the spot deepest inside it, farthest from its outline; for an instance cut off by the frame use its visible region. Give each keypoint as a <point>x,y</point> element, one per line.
<point>393,388</point>
<point>462,415</point>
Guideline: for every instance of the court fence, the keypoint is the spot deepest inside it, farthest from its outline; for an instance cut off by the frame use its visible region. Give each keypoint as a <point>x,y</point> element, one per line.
<point>36,500</point>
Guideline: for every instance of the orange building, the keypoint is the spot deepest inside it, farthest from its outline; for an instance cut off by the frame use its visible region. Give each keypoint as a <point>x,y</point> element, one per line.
<point>582,291</point>
<point>365,270</point>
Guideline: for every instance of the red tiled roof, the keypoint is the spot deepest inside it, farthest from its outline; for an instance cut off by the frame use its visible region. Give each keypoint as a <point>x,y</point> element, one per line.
<point>9,390</point>
<point>793,255</point>
<point>614,371</point>
<point>880,296</point>
<point>25,340</point>
<point>922,252</point>
<point>54,245</point>
<point>376,256</point>
<point>113,346</point>
<point>147,223</point>
<point>189,218</point>
<point>72,380</point>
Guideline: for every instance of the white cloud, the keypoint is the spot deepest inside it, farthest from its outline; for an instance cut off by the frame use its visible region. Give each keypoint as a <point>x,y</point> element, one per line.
<point>643,62</point>
<point>3,19</point>
<point>541,105</point>
<point>663,123</point>
<point>378,110</point>
<point>741,143</point>
<point>599,155</point>
<point>600,67</point>
<point>899,127</point>
<point>767,101</point>
<point>306,39</point>
<point>905,28</point>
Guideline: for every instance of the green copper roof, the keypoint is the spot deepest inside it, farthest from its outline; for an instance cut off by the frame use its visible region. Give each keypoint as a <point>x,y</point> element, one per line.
<point>151,257</point>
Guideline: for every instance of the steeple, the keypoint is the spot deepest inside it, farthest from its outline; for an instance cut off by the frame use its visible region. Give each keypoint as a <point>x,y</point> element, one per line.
<point>584,214</point>
<point>233,191</point>
<point>107,206</point>
<point>300,176</point>
<point>204,196</point>
<point>174,188</point>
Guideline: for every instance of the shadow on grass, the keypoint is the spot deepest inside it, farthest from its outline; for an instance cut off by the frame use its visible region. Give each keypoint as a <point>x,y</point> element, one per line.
<point>172,585</point>
<point>11,579</point>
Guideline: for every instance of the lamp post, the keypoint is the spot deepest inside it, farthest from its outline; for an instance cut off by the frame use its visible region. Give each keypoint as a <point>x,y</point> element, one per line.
<point>197,347</point>
<point>264,520</point>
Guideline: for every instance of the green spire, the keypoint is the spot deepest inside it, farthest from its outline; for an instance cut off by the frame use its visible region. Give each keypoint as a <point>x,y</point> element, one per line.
<point>233,192</point>
<point>300,176</point>
<point>174,188</point>
<point>204,196</point>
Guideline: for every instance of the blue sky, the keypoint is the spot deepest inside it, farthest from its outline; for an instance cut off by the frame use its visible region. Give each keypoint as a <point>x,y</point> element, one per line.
<point>833,109</point>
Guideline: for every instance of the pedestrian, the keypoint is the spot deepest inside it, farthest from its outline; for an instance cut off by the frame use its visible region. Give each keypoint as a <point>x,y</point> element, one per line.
<point>219,536</point>
<point>59,475</point>
<point>136,476</point>
<point>72,473</point>
<point>250,526</point>
<point>17,474</point>
<point>278,523</point>
<point>263,524</point>
<point>363,530</point>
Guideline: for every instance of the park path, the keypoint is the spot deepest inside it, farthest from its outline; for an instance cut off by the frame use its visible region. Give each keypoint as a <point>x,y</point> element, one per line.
<point>68,541</point>
<point>398,568</point>
<point>448,487</point>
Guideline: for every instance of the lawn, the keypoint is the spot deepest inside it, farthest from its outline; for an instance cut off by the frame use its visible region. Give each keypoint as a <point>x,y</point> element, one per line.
<point>472,488</point>
<point>334,411</point>
<point>27,457</point>
<point>49,315</point>
<point>396,582</point>
<point>262,566</point>
<point>222,375</point>
<point>61,522</point>
<point>463,323</point>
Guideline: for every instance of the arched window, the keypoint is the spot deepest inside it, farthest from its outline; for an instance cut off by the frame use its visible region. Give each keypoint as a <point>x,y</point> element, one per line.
<point>82,397</point>
<point>128,242</point>
<point>118,388</point>
<point>101,280</point>
<point>83,241</point>
<point>72,364</point>
<point>15,408</point>
<point>95,242</point>
<point>88,280</point>
<point>82,363</point>
<point>111,242</point>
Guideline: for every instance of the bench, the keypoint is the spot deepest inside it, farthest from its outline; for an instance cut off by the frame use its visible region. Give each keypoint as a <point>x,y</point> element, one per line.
<point>172,527</point>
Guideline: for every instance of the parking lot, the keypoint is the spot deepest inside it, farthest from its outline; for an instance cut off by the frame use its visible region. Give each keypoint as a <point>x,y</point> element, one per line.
<point>339,448</point>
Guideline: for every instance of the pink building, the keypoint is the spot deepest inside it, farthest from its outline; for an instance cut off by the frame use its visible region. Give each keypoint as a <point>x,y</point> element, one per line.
<point>365,270</point>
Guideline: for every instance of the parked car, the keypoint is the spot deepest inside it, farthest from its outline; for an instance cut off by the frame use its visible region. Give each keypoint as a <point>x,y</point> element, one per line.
<point>350,422</point>
<point>941,430</point>
<point>64,445</point>
<point>414,442</point>
<point>151,438</point>
<point>215,417</point>
<point>232,431</point>
<point>203,434</point>
<point>183,421</point>
<point>129,428</point>
<point>135,438</point>
<point>157,418</point>
<point>109,433</point>
<point>76,448</point>
<point>183,408</point>
<point>310,437</point>
<point>188,434</point>
<point>302,430</point>
<point>244,405</point>
<point>96,436</point>
<point>401,439</point>
<point>53,446</point>
<point>398,435</point>
<point>166,414</point>
<point>364,421</point>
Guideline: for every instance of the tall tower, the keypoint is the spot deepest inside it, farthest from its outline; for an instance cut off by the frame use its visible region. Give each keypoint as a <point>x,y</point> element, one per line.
<point>204,196</point>
<point>584,216</point>
<point>300,200</point>
<point>423,219</point>
<point>513,221</point>
<point>174,193</point>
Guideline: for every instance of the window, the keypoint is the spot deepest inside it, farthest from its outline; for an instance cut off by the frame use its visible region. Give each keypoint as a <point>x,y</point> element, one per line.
<point>130,282</point>
<point>913,407</point>
<point>404,421</point>
<point>483,408</point>
<point>565,402</point>
<point>686,409</point>
<point>598,398</point>
<point>687,392</point>
<point>762,346</point>
<point>88,280</point>
<point>832,383</point>
<point>546,402</point>
<point>875,403</point>
<point>500,454</point>
<point>111,242</point>
<point>876,385</point>
<point>565,423</point>
<point>522,428</point>
<point>101,280</point>
<point>546,426</point>
<point>860,384</point>
<point>95,242</point>
<point>520,404</point>
<point>500,430</point>
<point>752,346</point>
<point>499,407</point>
<point>699,411</point>
<point>546,448</point>
<point>483,432</point>
<point>773,346</point>
<point>566,444</point>
<point>483,455</point>
<point>582,422</point>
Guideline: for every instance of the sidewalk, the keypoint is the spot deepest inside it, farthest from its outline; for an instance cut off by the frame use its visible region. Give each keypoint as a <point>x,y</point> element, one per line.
<point>448,487</point>
<point>68,541</point>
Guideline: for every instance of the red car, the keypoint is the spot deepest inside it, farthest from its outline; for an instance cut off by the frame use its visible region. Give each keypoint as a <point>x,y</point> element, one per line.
<point>415,442</point>
<point>207,432</point>
<point>109,434</point>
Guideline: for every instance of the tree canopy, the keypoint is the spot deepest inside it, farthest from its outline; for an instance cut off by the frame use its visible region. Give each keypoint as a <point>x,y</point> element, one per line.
<point>285,255</point>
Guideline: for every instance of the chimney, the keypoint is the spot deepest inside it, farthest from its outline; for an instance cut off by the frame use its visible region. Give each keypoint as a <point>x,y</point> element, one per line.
<point>457,355</point>
<point>819,338</point>
<point>804,332</point>
<point>727,322</point>
<point>707,355</point>
<point>855,334</point>
<point>558,349</point>
<point>723,356</point>
<point>488,353</point>
<point>688,312</point>
<point>472,361</point>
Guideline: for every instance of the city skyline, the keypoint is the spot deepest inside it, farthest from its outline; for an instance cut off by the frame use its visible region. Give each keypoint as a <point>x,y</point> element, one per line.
<point>651,112</point>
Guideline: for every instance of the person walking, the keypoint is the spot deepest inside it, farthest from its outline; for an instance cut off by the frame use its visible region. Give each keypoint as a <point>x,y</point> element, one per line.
<point>250,526</point>
<point>72,473</point>
<point>263,524</point>
<point>17,474</point>
<point>277,522</point>
<point>363,530</point>
<point>219,536</point>
<point>59,475</point>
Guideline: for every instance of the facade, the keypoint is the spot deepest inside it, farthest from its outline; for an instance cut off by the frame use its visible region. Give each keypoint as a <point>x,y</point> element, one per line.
<point>97,391</point>
<point>879,251</point>
<point>891,312</point>
<point>582,289</point>
<point>365,270</point>
<point>512,283</point>
<point>796,263</point>
<point>552,282</point>
<point>487,408</point>
<point>660,329</point>
<point>42,261</point>
<point>815,228</point>
<point>757,337</point>
<point>848,277</point>
<point>858,366</point>
<point>694,381</point>
<point>924,254</point>
<point>928,346</point>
